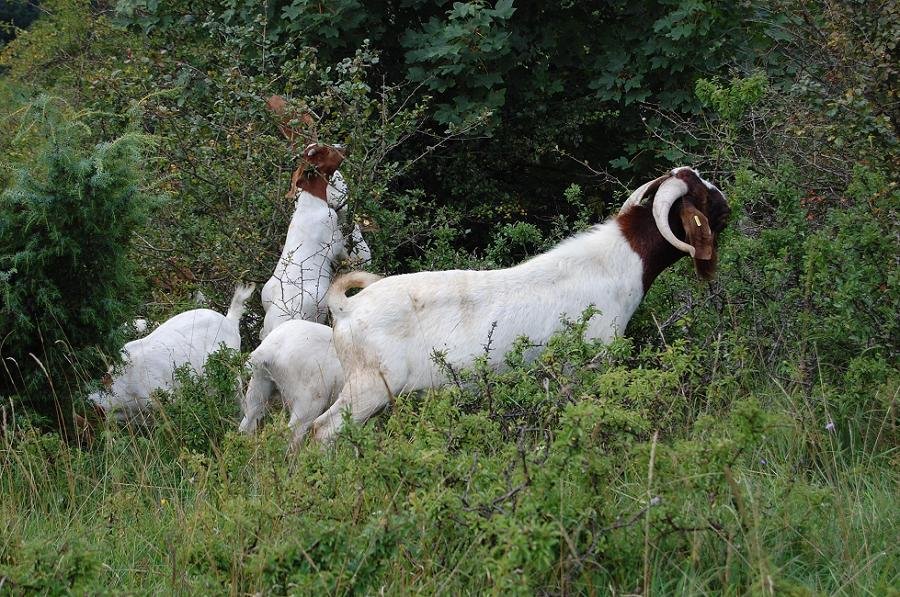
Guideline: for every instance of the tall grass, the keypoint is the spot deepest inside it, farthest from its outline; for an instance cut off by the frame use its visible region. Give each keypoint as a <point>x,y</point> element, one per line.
<point>580,486</point>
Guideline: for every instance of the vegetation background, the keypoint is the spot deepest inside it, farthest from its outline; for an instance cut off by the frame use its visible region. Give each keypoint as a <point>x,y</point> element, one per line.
<point>742,438</point>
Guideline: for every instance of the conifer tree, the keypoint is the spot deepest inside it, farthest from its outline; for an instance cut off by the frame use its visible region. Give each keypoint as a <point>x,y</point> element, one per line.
<point>66,281</point>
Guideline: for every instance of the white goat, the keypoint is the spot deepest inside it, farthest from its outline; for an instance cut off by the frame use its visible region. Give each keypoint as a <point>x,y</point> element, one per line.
<point>387,334</point>
<point>337,193</point>
<point>314,244</point>
<point>296,361</point>
<point>150,362</point>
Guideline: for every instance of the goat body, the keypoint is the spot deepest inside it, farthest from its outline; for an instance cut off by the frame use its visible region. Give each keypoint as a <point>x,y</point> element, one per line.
<point>386,335</point>
<point>297,362</point>
<point>314,242</point>
<point>150,362</point>
<point>303,274</point>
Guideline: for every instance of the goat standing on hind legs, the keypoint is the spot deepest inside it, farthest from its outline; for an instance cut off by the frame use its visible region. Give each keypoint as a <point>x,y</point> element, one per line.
<point>385,335</point>
<point>314,242</point>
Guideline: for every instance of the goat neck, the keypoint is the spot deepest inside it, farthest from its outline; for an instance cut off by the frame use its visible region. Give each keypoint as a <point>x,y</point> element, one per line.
<point>639,229</point>
<point>314,183</point>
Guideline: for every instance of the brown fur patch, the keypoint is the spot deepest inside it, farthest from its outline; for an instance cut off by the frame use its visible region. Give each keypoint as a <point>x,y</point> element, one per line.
<point>696,228</point>
<point>640,230</point>
<point>707,205</point>
<point>314,171</point>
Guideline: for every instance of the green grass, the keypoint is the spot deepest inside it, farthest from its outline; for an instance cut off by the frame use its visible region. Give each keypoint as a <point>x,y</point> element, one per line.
<point>451,492</point>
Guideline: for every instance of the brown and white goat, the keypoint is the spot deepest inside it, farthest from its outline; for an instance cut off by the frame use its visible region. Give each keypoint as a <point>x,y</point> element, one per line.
<point>314,240</point>
<point>385,335</point>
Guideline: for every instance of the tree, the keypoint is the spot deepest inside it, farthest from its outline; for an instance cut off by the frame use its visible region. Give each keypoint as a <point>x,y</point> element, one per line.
<point>15,14</point>
<point>66,283</point>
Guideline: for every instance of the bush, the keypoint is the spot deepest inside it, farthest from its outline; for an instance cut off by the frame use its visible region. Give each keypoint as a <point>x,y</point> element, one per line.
<point>66,283</point>
<point>43,567</point>
<point>197,415</point>
<point>15,15</point>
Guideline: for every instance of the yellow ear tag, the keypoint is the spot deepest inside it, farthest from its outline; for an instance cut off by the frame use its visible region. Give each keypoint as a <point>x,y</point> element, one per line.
<point>696,219</point>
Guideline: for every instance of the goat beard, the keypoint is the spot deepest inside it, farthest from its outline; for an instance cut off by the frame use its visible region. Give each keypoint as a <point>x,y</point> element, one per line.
<point>706,268</point>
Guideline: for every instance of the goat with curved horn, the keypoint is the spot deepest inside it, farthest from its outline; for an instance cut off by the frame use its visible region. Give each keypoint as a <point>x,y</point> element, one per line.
<point>669,192</point>
<point>385,334</point>
<point>641,193</point>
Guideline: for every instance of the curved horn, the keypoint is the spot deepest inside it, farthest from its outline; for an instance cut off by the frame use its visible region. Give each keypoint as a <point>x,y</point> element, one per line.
<point>638,195</point>
<point>669,192</point>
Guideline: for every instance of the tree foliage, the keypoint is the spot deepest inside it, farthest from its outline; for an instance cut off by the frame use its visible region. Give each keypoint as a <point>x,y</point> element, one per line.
<point>66,282</point>
<point>15,15</point>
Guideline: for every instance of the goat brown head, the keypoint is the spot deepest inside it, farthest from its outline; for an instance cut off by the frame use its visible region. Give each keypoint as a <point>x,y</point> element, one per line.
<point>689,213</point>
<point>289,121</point>
<point>318,163</point>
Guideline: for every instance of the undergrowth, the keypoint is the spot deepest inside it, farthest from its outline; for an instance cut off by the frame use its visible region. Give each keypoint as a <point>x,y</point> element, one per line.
<point>593,469</point>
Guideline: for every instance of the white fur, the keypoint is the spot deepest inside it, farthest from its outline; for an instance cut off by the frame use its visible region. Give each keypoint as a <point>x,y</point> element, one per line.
<point>303,274</point>
<point>150,362</point>
<point>385,335</point>
<point>296,361</point>
<point>311,251</point>
<point>358,253</point>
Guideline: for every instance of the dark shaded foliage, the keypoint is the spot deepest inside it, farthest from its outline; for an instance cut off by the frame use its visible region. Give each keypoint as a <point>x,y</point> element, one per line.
<point>14,15</point>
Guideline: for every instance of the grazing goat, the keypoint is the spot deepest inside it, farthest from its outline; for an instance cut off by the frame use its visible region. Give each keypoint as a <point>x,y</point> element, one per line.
<point>314,241</point>
<point>150,362</point>
<point>296,361</point>
<point>337,192</point>
<point>387,334</point>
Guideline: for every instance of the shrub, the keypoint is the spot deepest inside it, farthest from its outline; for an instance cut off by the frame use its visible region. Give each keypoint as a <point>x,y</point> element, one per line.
<point>196,416</point>
<point>66,283</point>
<point>50,568</point>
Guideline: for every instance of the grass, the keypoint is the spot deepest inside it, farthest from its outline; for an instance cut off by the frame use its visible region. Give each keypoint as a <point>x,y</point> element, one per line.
<point>451,494</point>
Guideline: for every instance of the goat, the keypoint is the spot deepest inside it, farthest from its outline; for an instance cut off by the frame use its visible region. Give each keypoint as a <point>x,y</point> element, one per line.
<point>314,244</point>
<point>140,325</point>
<point>296,361</point>
<point>150,362</point>
<point>386,334</point>
<point>337,192</point>
<point>314,241</point>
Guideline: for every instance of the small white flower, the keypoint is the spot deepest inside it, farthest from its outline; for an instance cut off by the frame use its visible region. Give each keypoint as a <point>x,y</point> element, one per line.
<point>829,426</point>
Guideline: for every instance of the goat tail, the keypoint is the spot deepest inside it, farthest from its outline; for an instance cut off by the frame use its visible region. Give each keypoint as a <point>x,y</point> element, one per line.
<point>242,292</point>
<point>337,294</point>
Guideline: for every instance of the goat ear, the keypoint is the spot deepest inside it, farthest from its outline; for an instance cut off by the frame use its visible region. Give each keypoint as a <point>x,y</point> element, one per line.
<point>295,182</point>
<point>699,234</point>
<point>279,106</point>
